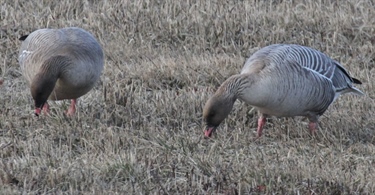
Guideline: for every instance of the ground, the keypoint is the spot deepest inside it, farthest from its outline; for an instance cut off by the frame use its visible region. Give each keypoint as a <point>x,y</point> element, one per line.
<point>140,130</point>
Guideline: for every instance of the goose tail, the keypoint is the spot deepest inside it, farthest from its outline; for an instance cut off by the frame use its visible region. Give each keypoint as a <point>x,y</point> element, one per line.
<point>356,91</point>
<point>356,81</point>
<point>23,37</point>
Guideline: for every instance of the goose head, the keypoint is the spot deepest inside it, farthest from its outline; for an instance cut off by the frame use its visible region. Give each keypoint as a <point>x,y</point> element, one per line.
<point>215,111</point>
<point>41,88</point>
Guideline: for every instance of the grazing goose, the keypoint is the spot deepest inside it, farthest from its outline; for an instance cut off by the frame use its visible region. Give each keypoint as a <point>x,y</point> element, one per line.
<point>60,64</point>
<point>282,80</point>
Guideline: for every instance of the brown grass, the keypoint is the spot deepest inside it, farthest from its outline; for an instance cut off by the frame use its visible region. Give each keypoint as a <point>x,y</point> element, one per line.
<point>140,130</point>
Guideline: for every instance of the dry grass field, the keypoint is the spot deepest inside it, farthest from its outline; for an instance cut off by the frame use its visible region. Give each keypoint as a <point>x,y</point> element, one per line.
<point>140,130</point>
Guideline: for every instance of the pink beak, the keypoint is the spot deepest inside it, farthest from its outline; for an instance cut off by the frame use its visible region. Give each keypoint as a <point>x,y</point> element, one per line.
<point>38,111</point>
<point>208,132</point>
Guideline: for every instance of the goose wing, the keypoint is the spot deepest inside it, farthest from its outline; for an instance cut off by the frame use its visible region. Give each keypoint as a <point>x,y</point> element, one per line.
<point>310,59</point>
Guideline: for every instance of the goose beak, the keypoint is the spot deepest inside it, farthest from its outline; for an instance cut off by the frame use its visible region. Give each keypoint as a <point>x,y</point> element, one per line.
<point>38,111</point>
<point>208,132</point>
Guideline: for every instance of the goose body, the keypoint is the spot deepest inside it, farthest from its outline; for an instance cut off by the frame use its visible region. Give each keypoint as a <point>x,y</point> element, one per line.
<point>60,64</point>
<point>282,80</point>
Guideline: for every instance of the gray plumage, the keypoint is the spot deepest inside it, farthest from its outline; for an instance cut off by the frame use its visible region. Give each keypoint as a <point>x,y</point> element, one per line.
<point>60,63</point>
<point>282,80</point>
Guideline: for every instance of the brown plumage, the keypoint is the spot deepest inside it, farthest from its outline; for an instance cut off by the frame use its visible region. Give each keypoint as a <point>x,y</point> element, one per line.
<point>60,64</point>
<point>282,80</point>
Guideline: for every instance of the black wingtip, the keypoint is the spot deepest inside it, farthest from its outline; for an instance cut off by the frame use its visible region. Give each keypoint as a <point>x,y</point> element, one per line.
<point>23,37</point>
<point>356,81</point>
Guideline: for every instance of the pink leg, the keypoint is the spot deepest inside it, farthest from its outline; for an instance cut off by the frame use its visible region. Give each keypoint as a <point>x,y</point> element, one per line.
<point>72,108</point>
<point>312,127</point>
<point>46,108</point>
<point>261,123</point>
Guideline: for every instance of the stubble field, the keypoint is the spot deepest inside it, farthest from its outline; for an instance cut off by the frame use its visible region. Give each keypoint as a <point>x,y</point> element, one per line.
<point>140,130</point>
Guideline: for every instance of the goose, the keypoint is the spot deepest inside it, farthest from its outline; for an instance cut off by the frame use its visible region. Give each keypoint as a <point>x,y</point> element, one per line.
<point>60,64</point>
<point>282,80</point>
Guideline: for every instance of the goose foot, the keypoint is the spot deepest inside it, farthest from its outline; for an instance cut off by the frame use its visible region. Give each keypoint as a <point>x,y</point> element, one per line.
<point>72,108</point>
